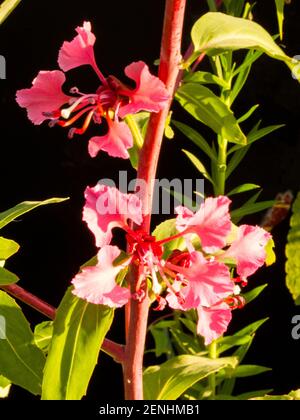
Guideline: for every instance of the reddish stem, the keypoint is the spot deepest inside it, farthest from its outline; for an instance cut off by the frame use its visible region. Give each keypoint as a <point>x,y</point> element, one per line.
<point>113,349</point>
<point>170,59</point>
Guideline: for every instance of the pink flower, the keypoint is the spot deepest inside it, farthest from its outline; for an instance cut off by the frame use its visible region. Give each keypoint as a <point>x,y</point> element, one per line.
<point>98,285</point>
<point>213,322</point>
<point>211,222</point>
<point>106,208</point>
<point>110,101</point>
<point>45,96</point>
<point>204,282</point>
<point>248,249</point>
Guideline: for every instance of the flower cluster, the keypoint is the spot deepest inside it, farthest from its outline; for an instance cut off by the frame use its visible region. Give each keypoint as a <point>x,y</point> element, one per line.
<point>112,101</point>
<point>200,276</point>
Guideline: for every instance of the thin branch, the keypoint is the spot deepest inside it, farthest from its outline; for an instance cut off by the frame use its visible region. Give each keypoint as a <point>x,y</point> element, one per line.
<point>116,351</point>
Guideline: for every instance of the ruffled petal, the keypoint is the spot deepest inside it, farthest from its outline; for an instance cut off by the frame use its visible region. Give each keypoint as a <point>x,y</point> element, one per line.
<point>98,284</point>
<point>208,282</point>
<point>211,222</point>
<point>79,51</point>
<point>213,322</point>
<point>150,93</point>
<point>249,249</point>
<point>106,208</point>
<point>45,95</point>
<point>116,142</point>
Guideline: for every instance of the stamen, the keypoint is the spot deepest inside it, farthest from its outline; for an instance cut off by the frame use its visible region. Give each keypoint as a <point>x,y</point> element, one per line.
<point>66,112</point>
<point>75,118</point>
<point>84,127</point>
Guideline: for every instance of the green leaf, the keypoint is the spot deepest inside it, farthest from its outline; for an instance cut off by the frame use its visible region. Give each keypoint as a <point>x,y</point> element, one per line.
<point>22,208</point>
<point>199,165</point>
<point>7,248</point>
<point>253,394</point>
<point>6,7</point>
<point>43,335</point>
<point>78,332</point>
<point>243,371</point>
<point>165,230</point>
<point>242,74</point>
<point>6,277</point>
<point>205,77</point>
<point>248,114</point>
<point>292,396</point>
<point>5,385</point>
<point>243,188</point>
<point>196,138</point>
<point>280,15</point>
<point>206,107</point>
<point>251,209</point>
<point>241,337</point>
<point>292,252</point>
<point>253,294</point>
<point>171,379</point>
<point>236,160</point>
<point>162,341</point>
<point>137,124</point>
<point>216,32</point>
<point>22,362</point>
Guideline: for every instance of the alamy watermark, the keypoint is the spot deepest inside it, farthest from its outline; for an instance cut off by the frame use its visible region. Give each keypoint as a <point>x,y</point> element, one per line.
<point>2,328</point>
<point>2,67</point>
<point>168,194</point>
<point>296,328</point>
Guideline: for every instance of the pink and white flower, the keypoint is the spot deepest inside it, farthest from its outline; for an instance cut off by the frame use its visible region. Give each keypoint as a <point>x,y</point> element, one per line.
<point>111,101</point>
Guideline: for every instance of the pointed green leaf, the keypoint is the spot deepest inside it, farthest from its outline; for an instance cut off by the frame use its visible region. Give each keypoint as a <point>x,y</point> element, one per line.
<point>199,165</point>
<point>205,77</point>
<point>292,396</point>
<point>280,15</point>
<point>6,277</point>
<point>78,332</point>
<point>243,371</point>
<point>171,379</point>
<point>243,188</point>
<point>252,209</point>
<point>7,248</point>
<point>292,251</point>
<point>196,138</point>
<point>22,362</point>
<point>253,294</point>
<point>248,114</point>
<point>22,208</point>
<point>206,107</point>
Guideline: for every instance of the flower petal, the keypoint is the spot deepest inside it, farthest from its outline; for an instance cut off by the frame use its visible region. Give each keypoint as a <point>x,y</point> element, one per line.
<point>211,222</point>
<point>79,51</point>
<point>98,285</point>
<point>150,93</point>
<point>45,95</point>
<point>213,322</point>
<point>115,142</point>
<point>208,282</point>
<point>249,249</point>
<point>106,208</point>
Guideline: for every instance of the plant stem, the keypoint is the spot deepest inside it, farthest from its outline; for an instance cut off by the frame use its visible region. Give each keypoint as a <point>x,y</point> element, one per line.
<point>221,168</point>
<point>212,352</point>
<point>170,59</point>
<point>116,351</point>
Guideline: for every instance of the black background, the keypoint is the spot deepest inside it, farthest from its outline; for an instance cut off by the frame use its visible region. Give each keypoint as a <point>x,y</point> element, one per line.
<point>38,162</point>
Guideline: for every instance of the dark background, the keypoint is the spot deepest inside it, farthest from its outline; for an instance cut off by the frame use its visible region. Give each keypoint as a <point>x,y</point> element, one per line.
<point>38,162</point>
